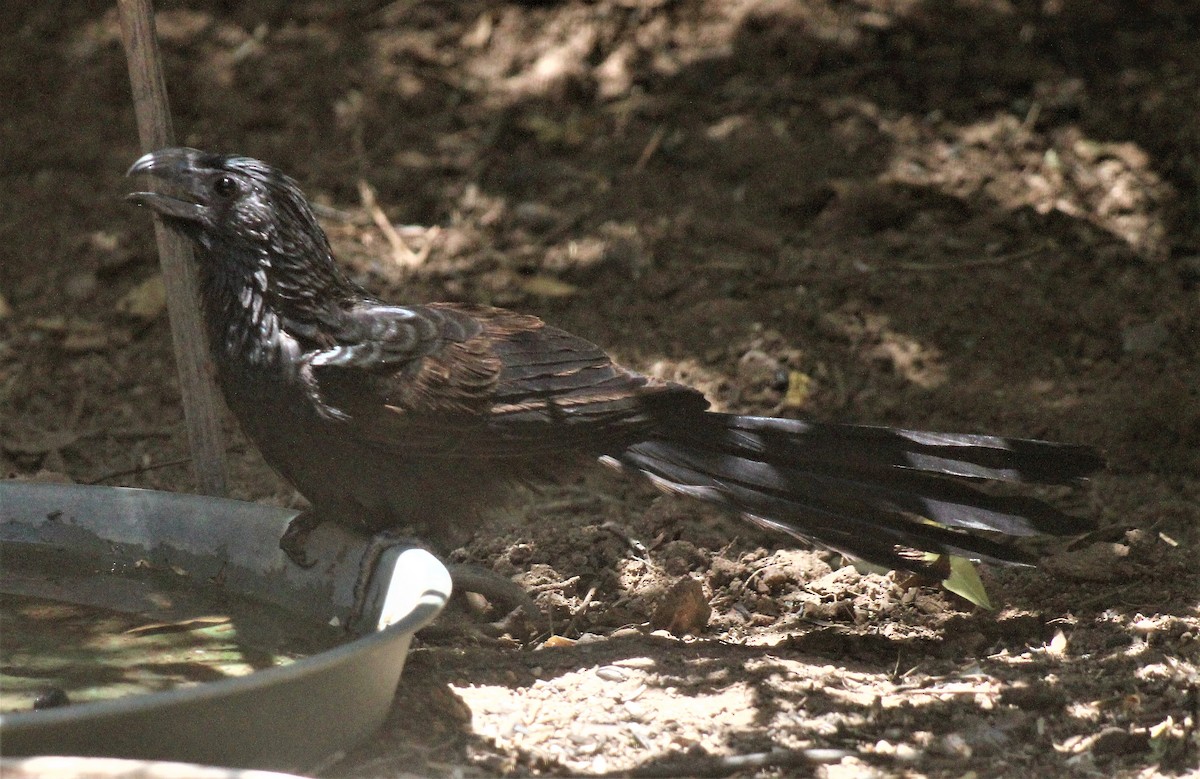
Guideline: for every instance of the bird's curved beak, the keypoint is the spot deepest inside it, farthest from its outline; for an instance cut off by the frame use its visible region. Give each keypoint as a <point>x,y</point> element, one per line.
<point>177,168</point>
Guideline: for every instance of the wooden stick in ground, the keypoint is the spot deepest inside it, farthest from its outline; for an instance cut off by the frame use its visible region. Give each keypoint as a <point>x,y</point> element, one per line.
<point>200,405</point>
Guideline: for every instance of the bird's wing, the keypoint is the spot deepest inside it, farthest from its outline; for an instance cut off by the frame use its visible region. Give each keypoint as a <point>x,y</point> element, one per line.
<point>432,380</point>
<point>375,336</point>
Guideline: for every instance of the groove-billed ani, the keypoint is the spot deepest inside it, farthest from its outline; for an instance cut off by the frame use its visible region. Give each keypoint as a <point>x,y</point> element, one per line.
<point>389,416</point>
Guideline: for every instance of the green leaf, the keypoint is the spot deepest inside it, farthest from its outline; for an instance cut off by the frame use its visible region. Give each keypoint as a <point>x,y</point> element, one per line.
<point>865,568</point>
<point>964,581</point>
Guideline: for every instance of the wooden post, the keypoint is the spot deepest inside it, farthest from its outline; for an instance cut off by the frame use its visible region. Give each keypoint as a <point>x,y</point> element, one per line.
<point>200,404</point>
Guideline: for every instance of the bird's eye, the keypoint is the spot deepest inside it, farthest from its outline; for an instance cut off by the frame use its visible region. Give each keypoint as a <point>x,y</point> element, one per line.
<point>225,186</point>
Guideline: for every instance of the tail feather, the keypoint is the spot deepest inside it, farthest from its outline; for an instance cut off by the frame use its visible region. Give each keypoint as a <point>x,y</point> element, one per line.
<point>873,493</point>
<point>947,502</point>
<point>863,531</point>
<point>834,447</point>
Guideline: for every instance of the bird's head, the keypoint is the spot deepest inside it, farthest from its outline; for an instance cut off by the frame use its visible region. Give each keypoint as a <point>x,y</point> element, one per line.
<point>250,222</point>
<point>222,199</point>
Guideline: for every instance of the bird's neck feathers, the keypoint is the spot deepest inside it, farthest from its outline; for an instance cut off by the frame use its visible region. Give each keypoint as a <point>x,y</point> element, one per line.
<point>266,298</point>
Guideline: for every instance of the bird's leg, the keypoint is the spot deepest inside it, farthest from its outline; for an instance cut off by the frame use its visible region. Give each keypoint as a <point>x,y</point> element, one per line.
<point>295,537</point>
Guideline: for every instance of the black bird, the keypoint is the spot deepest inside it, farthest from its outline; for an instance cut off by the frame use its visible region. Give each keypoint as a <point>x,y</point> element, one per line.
<point>387,416</point>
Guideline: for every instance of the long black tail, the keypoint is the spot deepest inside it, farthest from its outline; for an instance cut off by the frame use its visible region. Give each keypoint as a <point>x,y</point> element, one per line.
<point>874,493</point>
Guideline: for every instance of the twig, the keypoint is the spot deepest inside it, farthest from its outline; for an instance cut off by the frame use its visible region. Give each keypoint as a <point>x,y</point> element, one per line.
<point>724,765</point>
<point>554,585</point>
<point>150,467</point>
<point>1003,259</point>
<point>332,214</point>
<point>130,432</point>
<point>200,405</point>
<point>578,613</point>
<point>904,691</point>
<point>635,545</point>
<point>651,146</point>
<point>403,255</point>
<point>138,469</point>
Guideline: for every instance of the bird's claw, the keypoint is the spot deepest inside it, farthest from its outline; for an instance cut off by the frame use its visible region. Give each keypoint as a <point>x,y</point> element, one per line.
<point>295,538</point>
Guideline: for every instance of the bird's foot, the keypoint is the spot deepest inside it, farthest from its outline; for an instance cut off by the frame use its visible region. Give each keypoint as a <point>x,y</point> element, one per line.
<point>295,538</point>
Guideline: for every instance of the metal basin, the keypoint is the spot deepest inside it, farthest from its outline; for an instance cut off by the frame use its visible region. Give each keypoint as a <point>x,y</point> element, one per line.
<point>287,718</point>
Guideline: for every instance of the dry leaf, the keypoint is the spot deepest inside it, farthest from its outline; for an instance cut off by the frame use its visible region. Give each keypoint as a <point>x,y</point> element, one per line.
<point>51,324</point>
<point>799,388</point>
<point>104,241</point>
<point>543,286</point>
<point>1057,645</point>
<point>86,337</point>
<point>145,301</point>
<point>558,641</point>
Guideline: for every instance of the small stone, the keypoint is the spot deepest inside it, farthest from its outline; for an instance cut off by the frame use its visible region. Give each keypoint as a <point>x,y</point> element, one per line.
<point>987,739</point>
<point>684,609</point>
<point>756,368</point>
<point>1145,338</point>
<point>1146,626</point>
<point>722,571</point>
<point>610,673</point>
<point>625,632</point>
<point>679,557</point>
<point>827,756</point>
<point>80,286</point>
<point>775,577</point>
<point>535,216</point>
<point>953,745</point>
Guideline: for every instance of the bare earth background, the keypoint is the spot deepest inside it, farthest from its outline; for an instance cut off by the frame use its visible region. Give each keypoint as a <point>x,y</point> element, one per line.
<point>948,215</point>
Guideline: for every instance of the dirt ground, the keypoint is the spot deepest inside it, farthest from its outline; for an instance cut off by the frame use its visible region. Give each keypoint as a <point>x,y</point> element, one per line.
<point>971,216</point>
